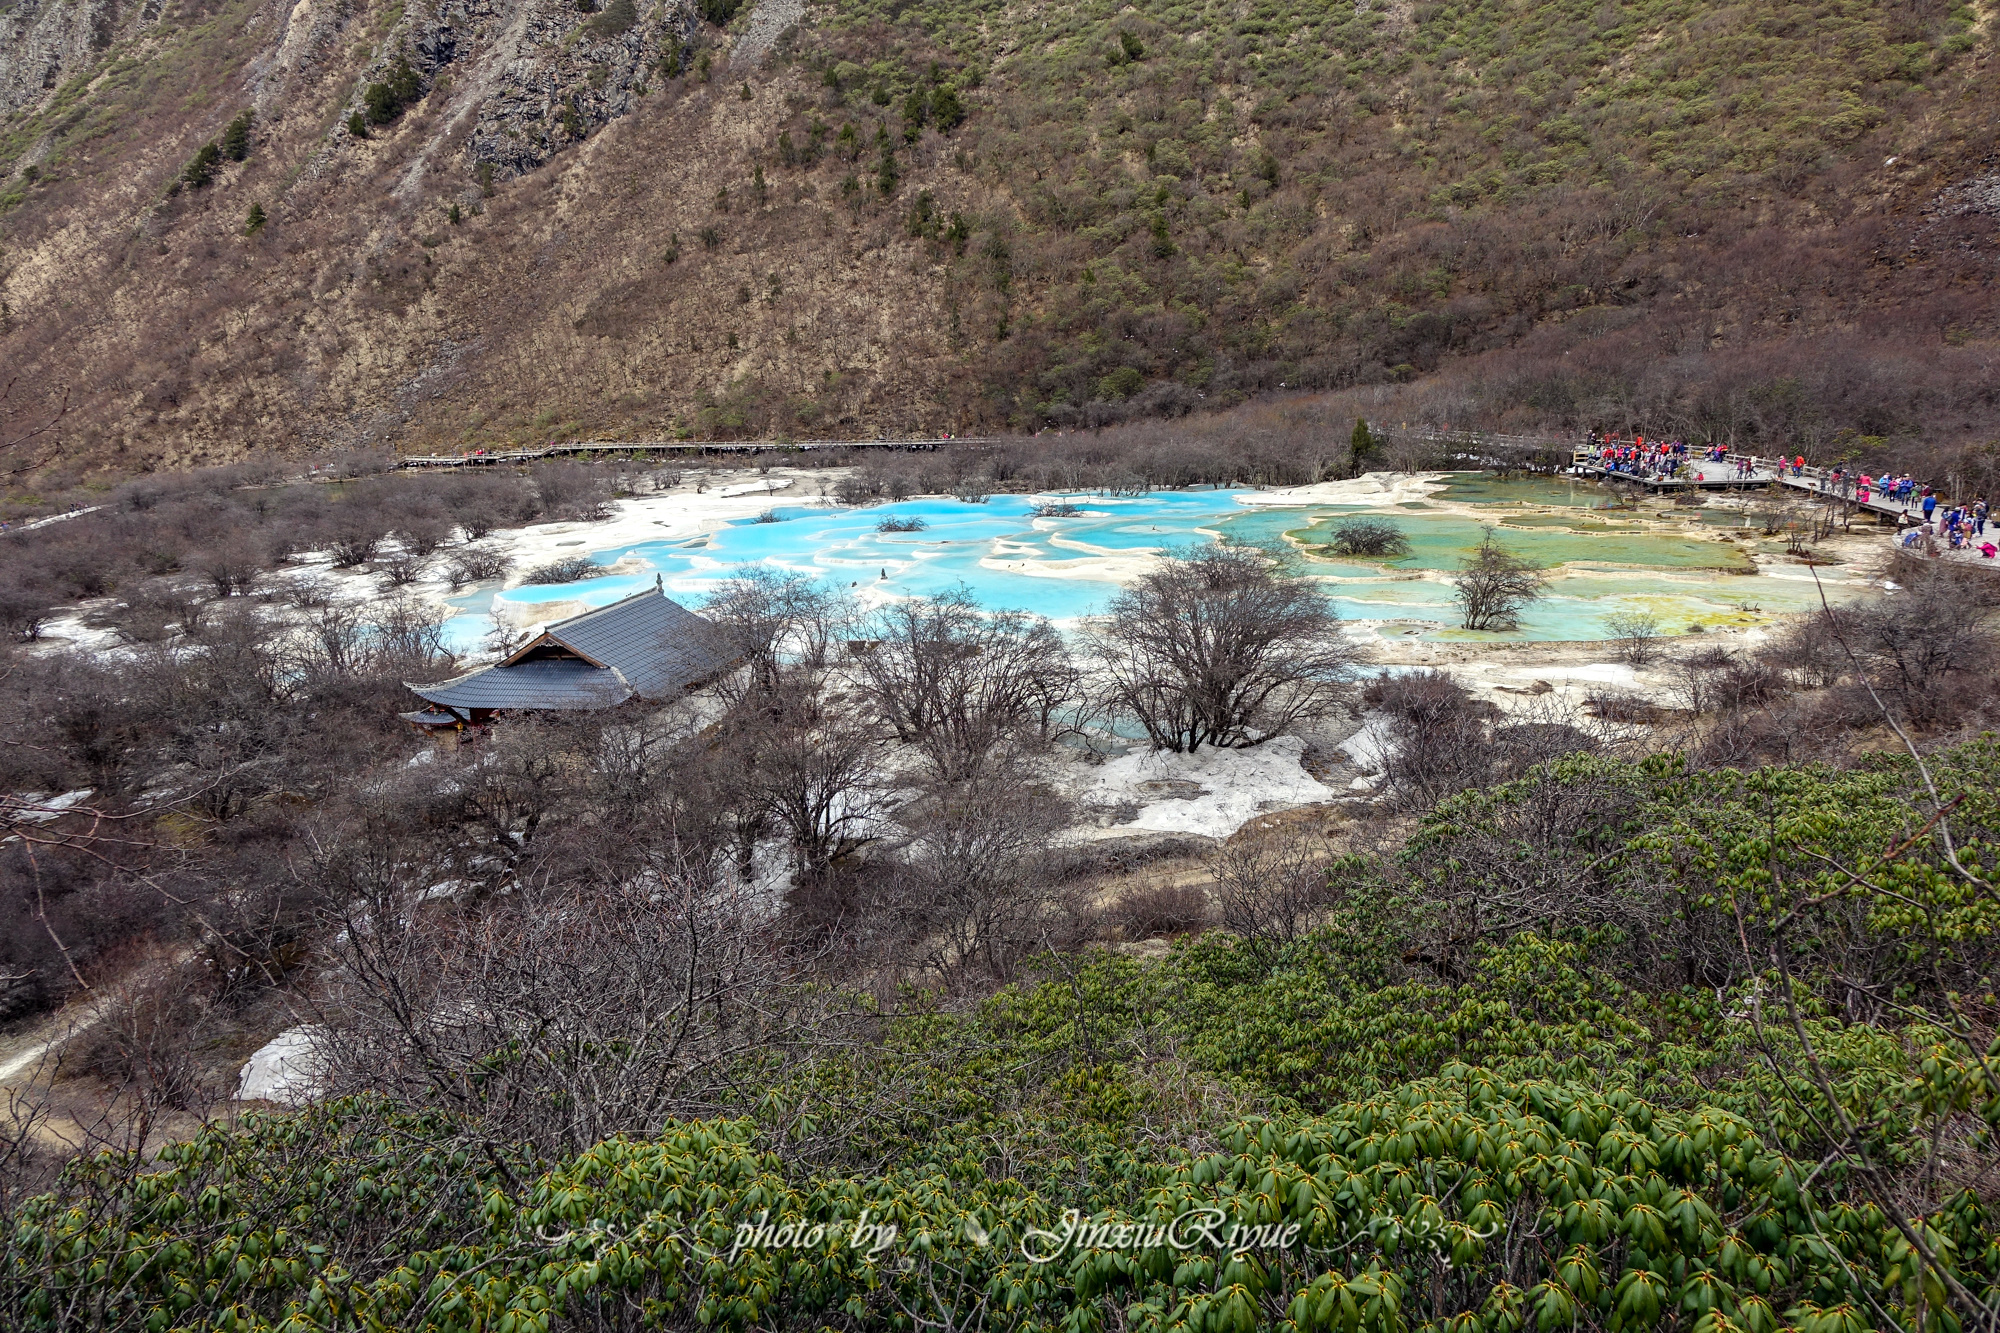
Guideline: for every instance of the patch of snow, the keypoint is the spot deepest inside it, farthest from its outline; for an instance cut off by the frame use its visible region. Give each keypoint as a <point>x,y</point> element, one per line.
<point>755,488</point>
<point>768,877</point>
<point>71,631</point>
<point>32,524</point>
<point>22,1059</point>
<point>34,808</point>
<point>1368,749</point>
<point>444,888</point>
<point>284,1070</point>
<point>1513,686</point>
<point>1234,786</point>
<point>1601,673</point>
<point>1370,488</point>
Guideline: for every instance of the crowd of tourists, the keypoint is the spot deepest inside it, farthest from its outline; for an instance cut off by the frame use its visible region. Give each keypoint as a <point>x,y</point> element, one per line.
<point>1669,460</point>
<point>1959,526</point>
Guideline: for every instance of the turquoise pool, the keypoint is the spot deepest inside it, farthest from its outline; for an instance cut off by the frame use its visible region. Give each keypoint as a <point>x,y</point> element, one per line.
<point>1069,567</point>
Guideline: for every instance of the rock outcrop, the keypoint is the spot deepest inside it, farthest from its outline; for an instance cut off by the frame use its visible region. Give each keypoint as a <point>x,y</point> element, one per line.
<point>533,76</point>
<point>46,43</point>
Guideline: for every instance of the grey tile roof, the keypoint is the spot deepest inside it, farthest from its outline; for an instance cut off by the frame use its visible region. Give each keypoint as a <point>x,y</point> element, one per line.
<point>565,683</point>
<point>647,646</point>
<point>430,717</point>
<point>659,645</point>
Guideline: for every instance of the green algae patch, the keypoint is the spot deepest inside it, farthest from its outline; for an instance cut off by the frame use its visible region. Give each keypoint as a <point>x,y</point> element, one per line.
<point>1445,541</point>
<point>1572,522</point>
<point>1480,488</point>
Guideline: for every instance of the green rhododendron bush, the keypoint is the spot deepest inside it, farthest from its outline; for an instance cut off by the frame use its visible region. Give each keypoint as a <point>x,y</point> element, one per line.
<point>1615,1046</point>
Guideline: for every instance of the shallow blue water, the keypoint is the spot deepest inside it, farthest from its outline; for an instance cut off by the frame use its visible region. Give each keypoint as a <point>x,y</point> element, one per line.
<point>988,547</point>
<point>994,548</point>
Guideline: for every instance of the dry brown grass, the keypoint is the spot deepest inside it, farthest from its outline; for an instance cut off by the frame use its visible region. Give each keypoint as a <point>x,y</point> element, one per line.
<point>357,317</point>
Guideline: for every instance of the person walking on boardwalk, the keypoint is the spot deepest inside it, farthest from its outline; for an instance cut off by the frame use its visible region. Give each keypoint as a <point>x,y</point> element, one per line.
<point>1930,503</point>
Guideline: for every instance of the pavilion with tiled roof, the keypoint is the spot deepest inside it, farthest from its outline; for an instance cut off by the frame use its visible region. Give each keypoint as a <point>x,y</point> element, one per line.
<point>646,647</point>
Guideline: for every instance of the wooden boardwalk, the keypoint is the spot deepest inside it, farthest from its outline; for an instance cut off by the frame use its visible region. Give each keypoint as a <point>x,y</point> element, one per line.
<point>1814,483</point>
<point>1755,479</point>
<point>682,448</point>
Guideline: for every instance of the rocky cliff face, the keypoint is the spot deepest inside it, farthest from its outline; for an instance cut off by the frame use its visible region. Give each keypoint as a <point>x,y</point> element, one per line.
<point>527,78</point>
<point>534,230</point>
<point>531,77</point>
<point>554,91</point>
<point>46,43</point>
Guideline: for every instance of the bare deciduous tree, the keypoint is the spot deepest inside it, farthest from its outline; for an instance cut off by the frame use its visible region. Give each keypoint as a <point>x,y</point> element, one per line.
<point>232,565</point>
<point>21,426</point>
<point>1636,633</point>
<point>779,619</point>
<point>955,681</point>
<point>1493,585</point>
<point>1939,623</point>
<point>1365,536</point>
<point>564,1013</point>
<point>1807,651</point>
<point>422,529</point>
<point>1273,890</point>
<point>1215,649</point>
<point>809,763</point>
<point>976,885</point>
<point>354,540</point>
<point>1442,740</point>
<point>573,490</point>
<point>1437,737</point>
<point>1540,859</point>
<point>475,564</point>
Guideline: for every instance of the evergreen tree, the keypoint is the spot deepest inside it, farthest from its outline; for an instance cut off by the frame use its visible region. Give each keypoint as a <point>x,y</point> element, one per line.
<point>200,169</point>
<point>385,101</point>
<point>1361,446</point>
<point>947,112</point>
<point>235,141</point>
<point>255,222</point>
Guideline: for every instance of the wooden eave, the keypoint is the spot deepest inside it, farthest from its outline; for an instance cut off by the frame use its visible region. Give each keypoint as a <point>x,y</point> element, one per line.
<point>547,640</point>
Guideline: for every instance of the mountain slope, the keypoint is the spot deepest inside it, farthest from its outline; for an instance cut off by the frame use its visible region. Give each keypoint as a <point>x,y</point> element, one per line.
<point>508,219</point>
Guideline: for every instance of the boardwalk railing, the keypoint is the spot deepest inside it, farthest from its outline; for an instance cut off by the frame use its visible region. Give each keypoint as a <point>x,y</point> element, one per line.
<point>1816,482</point>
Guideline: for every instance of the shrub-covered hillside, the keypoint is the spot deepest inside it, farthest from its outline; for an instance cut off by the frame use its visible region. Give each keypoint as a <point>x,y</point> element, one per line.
<point>1305,194</point>
<point>1614,1046</point>
<point>1770,222</point>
